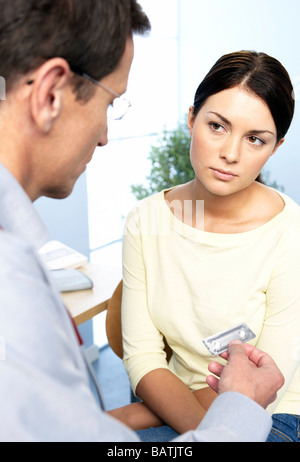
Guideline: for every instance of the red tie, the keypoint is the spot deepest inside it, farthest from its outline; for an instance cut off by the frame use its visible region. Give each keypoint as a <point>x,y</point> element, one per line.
<point>75,328</point>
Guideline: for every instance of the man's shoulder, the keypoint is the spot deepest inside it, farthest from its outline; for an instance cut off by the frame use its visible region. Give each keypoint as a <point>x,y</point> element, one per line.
<point>15,253</point>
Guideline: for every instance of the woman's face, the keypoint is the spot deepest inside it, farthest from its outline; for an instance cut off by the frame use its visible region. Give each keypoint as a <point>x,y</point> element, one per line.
<point>233,136</point>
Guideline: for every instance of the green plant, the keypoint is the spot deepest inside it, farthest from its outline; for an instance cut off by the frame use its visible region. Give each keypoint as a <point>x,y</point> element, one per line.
<point>266,175</point>
<point>170,162</point>
<point>171,166</point>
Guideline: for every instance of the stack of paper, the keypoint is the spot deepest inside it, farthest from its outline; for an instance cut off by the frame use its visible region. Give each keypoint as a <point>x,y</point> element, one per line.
<point>62,262</point>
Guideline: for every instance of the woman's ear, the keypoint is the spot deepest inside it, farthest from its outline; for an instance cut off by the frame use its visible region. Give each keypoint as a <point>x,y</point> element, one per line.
<point>278,145</point>
<point>191,120</point>
<point>46,99</point>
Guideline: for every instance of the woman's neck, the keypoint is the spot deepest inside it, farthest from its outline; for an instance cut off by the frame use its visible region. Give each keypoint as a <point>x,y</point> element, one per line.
<point>234,213</point>
<point>230,206</point>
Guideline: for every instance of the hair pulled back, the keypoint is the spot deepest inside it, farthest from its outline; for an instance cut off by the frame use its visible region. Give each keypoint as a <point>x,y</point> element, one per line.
<point>258,73</point>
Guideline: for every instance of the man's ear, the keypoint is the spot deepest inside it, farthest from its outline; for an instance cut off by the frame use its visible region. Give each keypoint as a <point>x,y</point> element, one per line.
<point>47,90</point>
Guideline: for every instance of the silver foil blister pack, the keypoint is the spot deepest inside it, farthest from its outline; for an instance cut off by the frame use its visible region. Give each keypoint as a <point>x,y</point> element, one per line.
<point>218,343</point>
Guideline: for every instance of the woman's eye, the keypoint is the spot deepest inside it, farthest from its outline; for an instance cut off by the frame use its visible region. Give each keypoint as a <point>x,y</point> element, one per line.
<point>216,127</point>
<point>255,141</point>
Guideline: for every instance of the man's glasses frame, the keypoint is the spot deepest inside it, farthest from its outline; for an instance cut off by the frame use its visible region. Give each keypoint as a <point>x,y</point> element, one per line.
<point>120,105</point>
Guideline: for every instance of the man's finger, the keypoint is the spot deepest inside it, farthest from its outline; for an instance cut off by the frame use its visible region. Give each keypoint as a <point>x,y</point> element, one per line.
<point>247,347</point>
<point>258,357</point>
<point>213,382</point>
<point>215,368</point>
<point>236,347</point>
<point>224,355</point>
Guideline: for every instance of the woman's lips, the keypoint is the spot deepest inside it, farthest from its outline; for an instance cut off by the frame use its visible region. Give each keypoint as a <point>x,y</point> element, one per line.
<point>223,175</point>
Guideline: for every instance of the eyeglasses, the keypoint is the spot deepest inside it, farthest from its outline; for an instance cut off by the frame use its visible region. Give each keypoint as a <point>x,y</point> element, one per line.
<point>120,105</point>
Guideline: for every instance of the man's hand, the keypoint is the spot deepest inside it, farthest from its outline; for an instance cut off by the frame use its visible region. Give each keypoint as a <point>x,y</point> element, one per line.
<point>248,371</point>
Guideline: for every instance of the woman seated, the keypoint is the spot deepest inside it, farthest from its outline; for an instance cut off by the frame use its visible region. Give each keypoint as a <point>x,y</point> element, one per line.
<point>221,250</point>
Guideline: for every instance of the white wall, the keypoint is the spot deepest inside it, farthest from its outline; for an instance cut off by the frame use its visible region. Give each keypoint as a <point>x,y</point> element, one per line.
<point>153,92</point>
<point>210,29</point>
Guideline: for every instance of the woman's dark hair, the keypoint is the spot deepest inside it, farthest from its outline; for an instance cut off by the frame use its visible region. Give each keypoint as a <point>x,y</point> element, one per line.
<point>258,73</point>
<point>90,34</point>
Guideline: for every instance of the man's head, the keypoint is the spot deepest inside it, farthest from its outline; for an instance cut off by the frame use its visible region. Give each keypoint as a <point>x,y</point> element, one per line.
<point>54,117</point>
<point>89,34</point>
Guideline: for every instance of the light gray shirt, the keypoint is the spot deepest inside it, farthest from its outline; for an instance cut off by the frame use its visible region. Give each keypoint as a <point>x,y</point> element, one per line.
<point>44,385</point>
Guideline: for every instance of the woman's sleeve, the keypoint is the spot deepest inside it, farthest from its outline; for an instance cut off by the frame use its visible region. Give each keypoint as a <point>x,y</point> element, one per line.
<point>142,342</point>
<point>281,327</point>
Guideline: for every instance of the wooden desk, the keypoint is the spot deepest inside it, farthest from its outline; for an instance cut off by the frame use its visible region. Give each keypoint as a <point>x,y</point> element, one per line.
<point>85,304</point>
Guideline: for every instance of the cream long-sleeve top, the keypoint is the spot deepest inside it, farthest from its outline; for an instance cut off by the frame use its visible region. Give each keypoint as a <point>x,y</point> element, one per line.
<point>187,284</point>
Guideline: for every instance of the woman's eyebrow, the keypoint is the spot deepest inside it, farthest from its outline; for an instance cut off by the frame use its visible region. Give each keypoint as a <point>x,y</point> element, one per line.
<point>250,132</point>
<point>221,117</point>
<point>260,132</point>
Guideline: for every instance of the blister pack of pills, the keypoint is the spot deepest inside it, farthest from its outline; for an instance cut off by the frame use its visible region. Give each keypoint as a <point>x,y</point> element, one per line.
<point>218,343</point>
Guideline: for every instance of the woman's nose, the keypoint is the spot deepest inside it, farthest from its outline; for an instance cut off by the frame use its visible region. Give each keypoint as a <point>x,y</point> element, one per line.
<point>231,151</point>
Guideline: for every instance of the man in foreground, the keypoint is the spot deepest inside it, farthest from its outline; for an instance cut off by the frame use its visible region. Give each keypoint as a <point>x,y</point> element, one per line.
<point>64,63</point>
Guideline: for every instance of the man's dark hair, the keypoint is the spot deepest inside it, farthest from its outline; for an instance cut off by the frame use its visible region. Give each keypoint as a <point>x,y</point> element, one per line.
<point>90,34</point>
